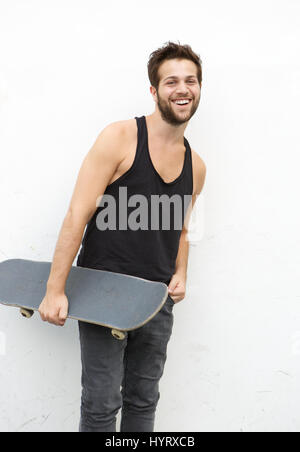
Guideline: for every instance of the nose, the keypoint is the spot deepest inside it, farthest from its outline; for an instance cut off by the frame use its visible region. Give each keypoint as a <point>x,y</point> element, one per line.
<point>182,88</point>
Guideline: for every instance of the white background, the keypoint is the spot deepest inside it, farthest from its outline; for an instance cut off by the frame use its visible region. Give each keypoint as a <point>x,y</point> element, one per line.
<point>69,68</point>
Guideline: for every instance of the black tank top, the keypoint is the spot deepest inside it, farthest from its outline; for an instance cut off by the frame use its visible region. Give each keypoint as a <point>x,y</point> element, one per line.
<point>149,250</point>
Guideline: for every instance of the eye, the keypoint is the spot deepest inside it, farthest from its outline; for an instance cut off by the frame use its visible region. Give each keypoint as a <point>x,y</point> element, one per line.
<point>189,81</point>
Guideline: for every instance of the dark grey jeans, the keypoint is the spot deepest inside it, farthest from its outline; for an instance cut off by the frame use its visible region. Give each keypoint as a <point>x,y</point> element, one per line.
<point>123,374</point>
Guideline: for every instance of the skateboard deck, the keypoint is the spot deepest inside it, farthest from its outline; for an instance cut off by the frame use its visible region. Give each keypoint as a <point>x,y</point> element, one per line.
<point>114,300</point>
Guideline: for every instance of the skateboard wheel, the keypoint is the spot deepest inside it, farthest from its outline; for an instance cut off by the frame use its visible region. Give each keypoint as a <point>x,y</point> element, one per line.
<point>118,334</point>
<point>26,313</point>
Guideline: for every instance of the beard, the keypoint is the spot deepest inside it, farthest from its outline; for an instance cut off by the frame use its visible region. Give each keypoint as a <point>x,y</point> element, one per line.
<point>169,114</point>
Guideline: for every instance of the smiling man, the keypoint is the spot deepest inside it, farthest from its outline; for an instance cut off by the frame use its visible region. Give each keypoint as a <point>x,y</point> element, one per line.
<point>187,102</point>
<point>150,160</point>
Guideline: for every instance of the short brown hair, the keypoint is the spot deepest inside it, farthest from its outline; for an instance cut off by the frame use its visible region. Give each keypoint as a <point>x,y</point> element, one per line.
<point>169,51</point>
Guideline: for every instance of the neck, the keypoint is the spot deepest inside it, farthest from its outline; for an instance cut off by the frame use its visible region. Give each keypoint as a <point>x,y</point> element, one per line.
<point>165,133</point>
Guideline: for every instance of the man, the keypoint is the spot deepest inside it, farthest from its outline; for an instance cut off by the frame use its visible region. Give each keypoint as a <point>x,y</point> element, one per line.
<point>145,156</point>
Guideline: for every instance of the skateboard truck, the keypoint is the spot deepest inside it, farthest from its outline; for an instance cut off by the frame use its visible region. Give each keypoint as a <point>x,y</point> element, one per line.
<point>28,313</point>
<point>118,334</point>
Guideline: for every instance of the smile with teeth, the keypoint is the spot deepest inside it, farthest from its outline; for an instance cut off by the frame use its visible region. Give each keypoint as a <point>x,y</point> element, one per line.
<point>182,103</point>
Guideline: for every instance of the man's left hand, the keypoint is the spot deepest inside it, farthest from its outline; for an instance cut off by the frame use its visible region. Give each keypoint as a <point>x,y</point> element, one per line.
<point>177,287</point>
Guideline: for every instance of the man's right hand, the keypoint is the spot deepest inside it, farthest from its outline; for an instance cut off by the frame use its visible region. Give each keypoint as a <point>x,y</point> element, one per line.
<point>54,308</point>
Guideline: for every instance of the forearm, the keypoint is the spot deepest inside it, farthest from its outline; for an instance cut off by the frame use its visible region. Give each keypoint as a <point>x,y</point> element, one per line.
<point>67,246</point>
<point>182,255</point>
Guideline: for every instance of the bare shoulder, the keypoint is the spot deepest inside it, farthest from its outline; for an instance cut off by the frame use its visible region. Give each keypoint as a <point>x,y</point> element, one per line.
<point>113,139</point>
<point>129,128</point>
<point>120,132</point>
<point>122,127</point>
<point>199,172</point>
<point>113,130</point>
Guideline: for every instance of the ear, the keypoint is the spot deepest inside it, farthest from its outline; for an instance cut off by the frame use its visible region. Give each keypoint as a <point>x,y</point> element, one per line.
<point>153,92</point>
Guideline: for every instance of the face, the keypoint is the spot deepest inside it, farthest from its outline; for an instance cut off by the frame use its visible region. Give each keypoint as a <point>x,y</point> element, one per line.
<point>178,80</point>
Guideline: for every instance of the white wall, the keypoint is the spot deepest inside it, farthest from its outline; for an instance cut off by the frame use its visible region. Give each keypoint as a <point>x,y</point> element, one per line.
<point>67,69</point>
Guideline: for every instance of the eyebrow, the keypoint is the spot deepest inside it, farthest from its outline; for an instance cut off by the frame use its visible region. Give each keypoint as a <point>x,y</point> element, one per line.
<point>174,76</point>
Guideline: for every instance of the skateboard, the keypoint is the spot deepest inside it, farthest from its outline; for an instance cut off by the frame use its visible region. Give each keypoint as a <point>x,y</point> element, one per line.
<point>113,300</point>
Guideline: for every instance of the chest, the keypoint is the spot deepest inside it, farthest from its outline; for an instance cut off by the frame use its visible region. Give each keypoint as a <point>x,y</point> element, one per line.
<point>168,163</point>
